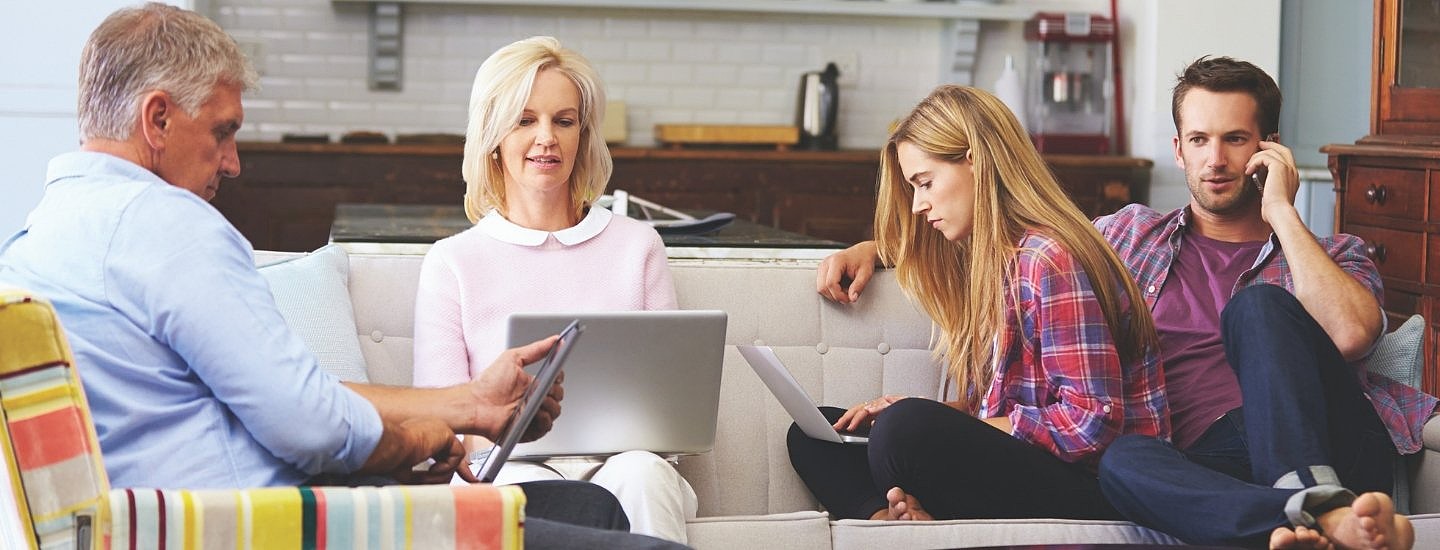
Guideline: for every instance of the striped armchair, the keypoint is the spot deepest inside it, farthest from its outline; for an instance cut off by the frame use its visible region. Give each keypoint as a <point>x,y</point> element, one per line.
<point>59,496</point>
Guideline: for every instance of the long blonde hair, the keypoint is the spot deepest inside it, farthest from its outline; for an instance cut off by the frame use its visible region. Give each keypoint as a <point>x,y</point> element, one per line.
<point>961,285</point>
<point>497,99</point>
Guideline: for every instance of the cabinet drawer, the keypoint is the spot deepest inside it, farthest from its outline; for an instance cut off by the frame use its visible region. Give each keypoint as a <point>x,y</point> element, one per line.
<point>1388,192</point>
<point>1398,254</point>
<point>1432,275</point>
<point>1400,305</point>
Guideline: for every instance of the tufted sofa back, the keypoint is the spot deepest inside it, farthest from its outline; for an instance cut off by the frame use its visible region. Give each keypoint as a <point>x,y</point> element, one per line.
<point>840,354</point>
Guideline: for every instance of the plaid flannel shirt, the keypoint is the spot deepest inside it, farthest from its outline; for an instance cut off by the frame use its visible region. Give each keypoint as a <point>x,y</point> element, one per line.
<point>1149,242</point>
<point>1059,377</point>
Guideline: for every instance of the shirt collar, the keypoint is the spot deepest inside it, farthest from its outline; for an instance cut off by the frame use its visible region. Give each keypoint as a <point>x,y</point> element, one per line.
<point>496,226</point>
<point>86,163</point>
<point>1272,243</point>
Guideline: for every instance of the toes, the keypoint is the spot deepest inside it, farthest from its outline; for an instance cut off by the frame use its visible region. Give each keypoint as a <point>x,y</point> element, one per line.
<point>1281,538</point>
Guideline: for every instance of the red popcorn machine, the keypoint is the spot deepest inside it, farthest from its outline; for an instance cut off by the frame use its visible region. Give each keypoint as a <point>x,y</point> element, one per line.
<point>1069,103</point>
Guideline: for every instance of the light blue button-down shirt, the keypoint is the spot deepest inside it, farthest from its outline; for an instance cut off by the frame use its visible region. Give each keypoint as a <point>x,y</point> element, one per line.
<point>193,378</point>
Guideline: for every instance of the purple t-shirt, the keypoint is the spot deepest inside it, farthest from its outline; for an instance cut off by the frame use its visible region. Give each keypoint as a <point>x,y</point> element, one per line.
<point>1200,384</point>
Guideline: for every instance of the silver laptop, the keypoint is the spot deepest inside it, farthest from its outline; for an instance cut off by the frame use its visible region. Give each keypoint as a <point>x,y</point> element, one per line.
<point>793,397</point>
<point>640,380</point>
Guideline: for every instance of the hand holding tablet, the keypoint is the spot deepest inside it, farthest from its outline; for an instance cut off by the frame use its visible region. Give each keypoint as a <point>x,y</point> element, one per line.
<point>530,403</point>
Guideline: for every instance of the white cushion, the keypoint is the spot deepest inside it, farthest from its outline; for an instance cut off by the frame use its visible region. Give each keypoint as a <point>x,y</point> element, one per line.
<point>858,534</point>
<point>313,294</point>
<point>1427,531</point>
<point>808,529</point>
<point>1400,355</point>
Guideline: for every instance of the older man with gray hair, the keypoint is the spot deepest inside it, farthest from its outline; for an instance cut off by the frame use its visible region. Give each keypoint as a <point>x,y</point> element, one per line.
<point>194,379</point>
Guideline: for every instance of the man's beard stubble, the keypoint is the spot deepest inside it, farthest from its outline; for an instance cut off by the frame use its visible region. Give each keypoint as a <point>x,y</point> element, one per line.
<point>1232,203</point>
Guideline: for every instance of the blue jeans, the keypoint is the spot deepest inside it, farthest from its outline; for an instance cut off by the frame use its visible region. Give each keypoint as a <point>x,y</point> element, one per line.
<point>1302,408</point>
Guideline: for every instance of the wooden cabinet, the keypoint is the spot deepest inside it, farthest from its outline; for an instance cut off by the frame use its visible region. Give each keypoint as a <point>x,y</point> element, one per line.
<point>286,194</point>
<point>1387,184</point>
<point>1389,196</point>
<point>1405,85</point>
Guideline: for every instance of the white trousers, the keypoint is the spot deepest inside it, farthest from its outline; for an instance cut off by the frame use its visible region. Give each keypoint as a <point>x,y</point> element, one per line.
<point>655,497</point>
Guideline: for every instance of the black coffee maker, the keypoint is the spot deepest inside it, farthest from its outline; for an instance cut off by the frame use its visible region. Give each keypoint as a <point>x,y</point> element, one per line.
<point>817,109</point>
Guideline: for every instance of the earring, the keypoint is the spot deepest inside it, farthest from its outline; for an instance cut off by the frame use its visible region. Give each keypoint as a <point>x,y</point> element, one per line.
<point>495,156</point>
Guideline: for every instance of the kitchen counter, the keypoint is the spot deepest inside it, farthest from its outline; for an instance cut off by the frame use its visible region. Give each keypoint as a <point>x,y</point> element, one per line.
<point>619,153</point>
<point>286,195</point>
<point>411,228</point>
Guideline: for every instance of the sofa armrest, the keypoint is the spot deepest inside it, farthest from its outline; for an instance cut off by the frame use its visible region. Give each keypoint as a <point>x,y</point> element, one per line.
<point>428,516</point>
<point>1424,472</point>
<point>1432,434</point>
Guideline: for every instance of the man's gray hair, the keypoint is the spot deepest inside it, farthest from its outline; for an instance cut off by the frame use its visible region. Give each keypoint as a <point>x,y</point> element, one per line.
<point>153,47</point>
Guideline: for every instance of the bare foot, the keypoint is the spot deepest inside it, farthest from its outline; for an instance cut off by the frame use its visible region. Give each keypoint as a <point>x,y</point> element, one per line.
<point>905,507</point>
<point>1301,538</point>
<point>1369,523</point>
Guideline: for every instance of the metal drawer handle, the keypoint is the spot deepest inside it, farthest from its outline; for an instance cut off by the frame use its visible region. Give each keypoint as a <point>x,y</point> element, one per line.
<point>1376,194</point>
<point>1376,251</point>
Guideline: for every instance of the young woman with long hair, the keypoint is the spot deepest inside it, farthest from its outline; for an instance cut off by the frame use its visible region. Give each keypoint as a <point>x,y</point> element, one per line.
<point>1049,351</point>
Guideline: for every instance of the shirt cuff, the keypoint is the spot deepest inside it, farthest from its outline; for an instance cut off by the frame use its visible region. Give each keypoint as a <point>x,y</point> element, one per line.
<point>365,430</point>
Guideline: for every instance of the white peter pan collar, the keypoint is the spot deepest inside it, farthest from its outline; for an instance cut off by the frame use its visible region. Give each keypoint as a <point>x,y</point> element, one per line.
<point>496,226</point>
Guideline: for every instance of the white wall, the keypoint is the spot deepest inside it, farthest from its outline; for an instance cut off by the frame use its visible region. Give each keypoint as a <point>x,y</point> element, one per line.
<point>42,42</point>
<point>1325,77</point>
<point>668,67</point>
<point>1161,38</point>
<point>712,68</point>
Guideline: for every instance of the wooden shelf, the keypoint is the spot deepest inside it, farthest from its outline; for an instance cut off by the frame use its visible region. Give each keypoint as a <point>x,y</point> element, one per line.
<point>1008,11</point>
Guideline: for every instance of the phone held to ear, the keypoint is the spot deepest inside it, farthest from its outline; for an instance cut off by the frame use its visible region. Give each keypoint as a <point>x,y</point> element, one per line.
<point>1258,178</point>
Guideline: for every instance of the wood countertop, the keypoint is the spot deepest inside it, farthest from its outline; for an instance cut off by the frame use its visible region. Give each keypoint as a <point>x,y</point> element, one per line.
<point>286,195</point>
<point>858,156</point>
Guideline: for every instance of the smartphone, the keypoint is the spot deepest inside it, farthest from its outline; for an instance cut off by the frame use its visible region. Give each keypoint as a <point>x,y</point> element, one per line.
<point>1258,178</point>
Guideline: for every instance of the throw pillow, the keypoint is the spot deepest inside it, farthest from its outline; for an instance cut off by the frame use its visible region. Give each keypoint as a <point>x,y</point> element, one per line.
<point>1400,355</point>
<point>313,294</point>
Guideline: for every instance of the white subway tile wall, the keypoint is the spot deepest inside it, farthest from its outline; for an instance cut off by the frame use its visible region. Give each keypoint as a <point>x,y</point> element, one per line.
<point>668,67</point>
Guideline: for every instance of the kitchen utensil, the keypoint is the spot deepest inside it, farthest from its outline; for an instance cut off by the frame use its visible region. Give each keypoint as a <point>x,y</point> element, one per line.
<point>817,108</point>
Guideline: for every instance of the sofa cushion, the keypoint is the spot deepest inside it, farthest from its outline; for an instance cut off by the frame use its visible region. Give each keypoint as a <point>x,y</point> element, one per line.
<point>313,294</point>
<point>840,354</point>
<point>1400,355</point>
<point>857,534</point>
<point>383,288</point>
<point>1427,530</point>
<point>809,530</point>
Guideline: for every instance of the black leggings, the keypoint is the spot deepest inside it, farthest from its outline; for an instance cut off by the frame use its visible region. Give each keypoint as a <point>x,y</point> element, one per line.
<point>958,467</point>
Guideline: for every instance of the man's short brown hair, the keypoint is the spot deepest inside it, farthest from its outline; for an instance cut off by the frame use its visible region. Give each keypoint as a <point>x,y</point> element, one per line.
<point>1225,74</point>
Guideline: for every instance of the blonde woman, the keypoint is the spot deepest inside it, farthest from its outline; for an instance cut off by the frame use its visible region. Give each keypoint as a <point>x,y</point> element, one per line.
<point>534,165</point>
<point>1048,358</point>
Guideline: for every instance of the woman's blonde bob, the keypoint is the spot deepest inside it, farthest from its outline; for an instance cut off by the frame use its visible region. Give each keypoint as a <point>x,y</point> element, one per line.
<point>497,99</point>
<point>963,285</point>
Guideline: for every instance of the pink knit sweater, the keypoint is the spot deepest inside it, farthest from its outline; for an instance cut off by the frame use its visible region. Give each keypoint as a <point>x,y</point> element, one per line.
<point>470,283</point>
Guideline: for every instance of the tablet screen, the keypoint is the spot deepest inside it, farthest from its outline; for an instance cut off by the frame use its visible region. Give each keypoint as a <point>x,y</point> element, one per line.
<point>530,402</point>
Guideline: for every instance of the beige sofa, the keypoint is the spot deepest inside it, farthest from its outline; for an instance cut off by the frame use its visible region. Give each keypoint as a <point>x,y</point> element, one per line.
<point>749,495</point>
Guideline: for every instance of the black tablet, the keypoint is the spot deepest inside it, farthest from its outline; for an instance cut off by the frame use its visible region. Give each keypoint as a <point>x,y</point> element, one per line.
<point>530,403</point>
